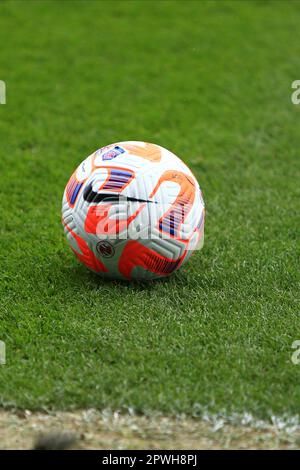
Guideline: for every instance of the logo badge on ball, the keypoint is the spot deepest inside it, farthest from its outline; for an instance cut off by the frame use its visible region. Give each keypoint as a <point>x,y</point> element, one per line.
<point>105,249</point>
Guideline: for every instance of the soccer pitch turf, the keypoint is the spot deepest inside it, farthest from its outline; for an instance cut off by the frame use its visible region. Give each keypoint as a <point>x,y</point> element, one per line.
<point>211,81</point>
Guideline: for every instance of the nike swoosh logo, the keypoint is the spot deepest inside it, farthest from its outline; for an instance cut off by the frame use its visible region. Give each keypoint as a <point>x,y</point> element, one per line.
<point>92,196</point>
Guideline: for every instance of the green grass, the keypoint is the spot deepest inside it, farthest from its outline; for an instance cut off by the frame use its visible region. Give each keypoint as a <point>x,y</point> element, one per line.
<point>211,81</point>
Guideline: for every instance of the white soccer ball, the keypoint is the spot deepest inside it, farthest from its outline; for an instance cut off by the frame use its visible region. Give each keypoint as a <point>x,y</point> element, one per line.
<point>133,210</point>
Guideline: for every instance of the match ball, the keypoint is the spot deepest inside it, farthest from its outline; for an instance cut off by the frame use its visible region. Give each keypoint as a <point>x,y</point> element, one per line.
<point>133,210</point>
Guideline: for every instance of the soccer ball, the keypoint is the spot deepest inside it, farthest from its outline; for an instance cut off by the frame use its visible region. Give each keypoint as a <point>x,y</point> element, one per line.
<point>133,210</point>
